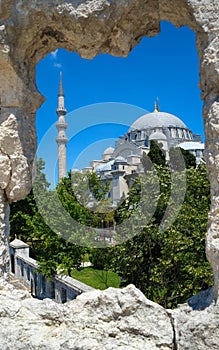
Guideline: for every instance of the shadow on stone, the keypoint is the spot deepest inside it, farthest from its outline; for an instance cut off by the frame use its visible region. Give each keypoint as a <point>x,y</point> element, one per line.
<point>202,300</point>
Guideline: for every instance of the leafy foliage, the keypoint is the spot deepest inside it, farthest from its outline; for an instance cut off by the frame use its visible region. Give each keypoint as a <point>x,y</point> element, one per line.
<point>156,153</point>
<point>98,189</point>
<point>170,266</point>
<point>58,250</point>
<point>51,250</point>
<point>100,258</point>
<point>180,158</point>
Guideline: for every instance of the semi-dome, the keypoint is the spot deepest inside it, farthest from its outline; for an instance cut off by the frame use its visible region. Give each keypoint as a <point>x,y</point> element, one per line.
<point>120,159</point>
<point>157,136</point>
<point>109,150</point>
<point>188,146</point>
<point>105,167</point>
<point>157,120</point>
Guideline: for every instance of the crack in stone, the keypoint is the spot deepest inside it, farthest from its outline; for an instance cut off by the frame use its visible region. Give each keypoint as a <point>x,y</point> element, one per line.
<point>172,322</point>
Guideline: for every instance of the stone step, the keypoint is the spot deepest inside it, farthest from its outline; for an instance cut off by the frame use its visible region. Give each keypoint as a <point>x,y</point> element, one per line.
<point>17,284</point>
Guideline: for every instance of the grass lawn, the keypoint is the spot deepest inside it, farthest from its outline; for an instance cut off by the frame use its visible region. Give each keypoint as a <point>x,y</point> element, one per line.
<point>99,279</point>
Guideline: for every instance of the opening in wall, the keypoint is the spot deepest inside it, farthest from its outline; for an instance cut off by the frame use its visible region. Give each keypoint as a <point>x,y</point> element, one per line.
<point>165,66</point>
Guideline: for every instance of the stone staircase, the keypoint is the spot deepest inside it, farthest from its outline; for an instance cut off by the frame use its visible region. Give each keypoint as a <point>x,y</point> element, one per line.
<point>17,284</point>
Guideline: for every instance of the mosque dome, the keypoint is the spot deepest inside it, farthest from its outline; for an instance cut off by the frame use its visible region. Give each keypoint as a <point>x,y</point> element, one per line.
<point>109,151</point>
<point>107,154</point>
<point>157,120</point>
<point>158,136</point>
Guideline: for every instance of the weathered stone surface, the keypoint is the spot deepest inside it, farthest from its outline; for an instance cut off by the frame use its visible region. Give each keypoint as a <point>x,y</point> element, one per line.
<point>5,170</point>
<point>109,320</point>
<point>196,330</point>
<point>14,180</point>
<point>103,320</point>
<point>15,172</point>
<point>29,30</point>
<point>4,232</point>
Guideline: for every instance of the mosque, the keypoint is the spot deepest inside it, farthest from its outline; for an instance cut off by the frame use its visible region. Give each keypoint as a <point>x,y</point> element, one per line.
<point>121,164</point>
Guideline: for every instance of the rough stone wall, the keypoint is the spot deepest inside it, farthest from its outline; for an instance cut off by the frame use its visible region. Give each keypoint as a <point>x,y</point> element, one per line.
<point>30,29</point>
<point>110,320</point>
<point>115,319</point>
<point>4,232</point>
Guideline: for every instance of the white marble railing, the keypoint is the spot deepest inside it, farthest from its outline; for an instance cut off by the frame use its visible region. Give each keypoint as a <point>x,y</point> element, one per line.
<point>25,269</point>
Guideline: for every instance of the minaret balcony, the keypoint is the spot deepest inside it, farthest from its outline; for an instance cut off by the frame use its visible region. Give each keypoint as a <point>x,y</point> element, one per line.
<point>61,111</point>
<point>61,140</point>
<point>61,125</point>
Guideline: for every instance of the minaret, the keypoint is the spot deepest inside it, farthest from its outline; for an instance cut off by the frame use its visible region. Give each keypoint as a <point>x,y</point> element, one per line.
<point>61,125</point>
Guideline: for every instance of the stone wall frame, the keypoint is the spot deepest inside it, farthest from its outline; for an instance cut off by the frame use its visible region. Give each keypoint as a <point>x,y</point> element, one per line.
<point>31,29</point>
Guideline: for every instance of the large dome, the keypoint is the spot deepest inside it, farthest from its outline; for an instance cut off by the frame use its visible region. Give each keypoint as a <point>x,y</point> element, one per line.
<point>157,120</point>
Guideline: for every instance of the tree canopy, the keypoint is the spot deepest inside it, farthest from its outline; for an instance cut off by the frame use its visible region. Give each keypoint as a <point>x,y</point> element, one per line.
<point>168,265</point>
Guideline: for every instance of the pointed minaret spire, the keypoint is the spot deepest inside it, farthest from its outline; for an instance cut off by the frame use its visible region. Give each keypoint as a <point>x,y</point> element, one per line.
<point>61,125</point>
<point>61,90</point>
<point>156,105</point>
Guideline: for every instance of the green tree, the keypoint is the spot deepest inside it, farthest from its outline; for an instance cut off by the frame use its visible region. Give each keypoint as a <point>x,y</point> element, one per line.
<point>156,154</point>
<point>78,190</point>
<point>180,158</point>
<point>146,162</point>
<point>27,223</point>
<point>170,266</point>
<point>22,212</point>
<point>100,258</point>
<point>97,187</point>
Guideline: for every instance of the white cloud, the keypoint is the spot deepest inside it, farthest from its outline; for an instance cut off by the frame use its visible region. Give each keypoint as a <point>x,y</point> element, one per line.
<point>57,65</point>
<point>54,54</point>
<point>54,58</point>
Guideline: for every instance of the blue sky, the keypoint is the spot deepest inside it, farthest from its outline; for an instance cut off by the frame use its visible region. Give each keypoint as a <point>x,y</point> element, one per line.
<point>105,95</point>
